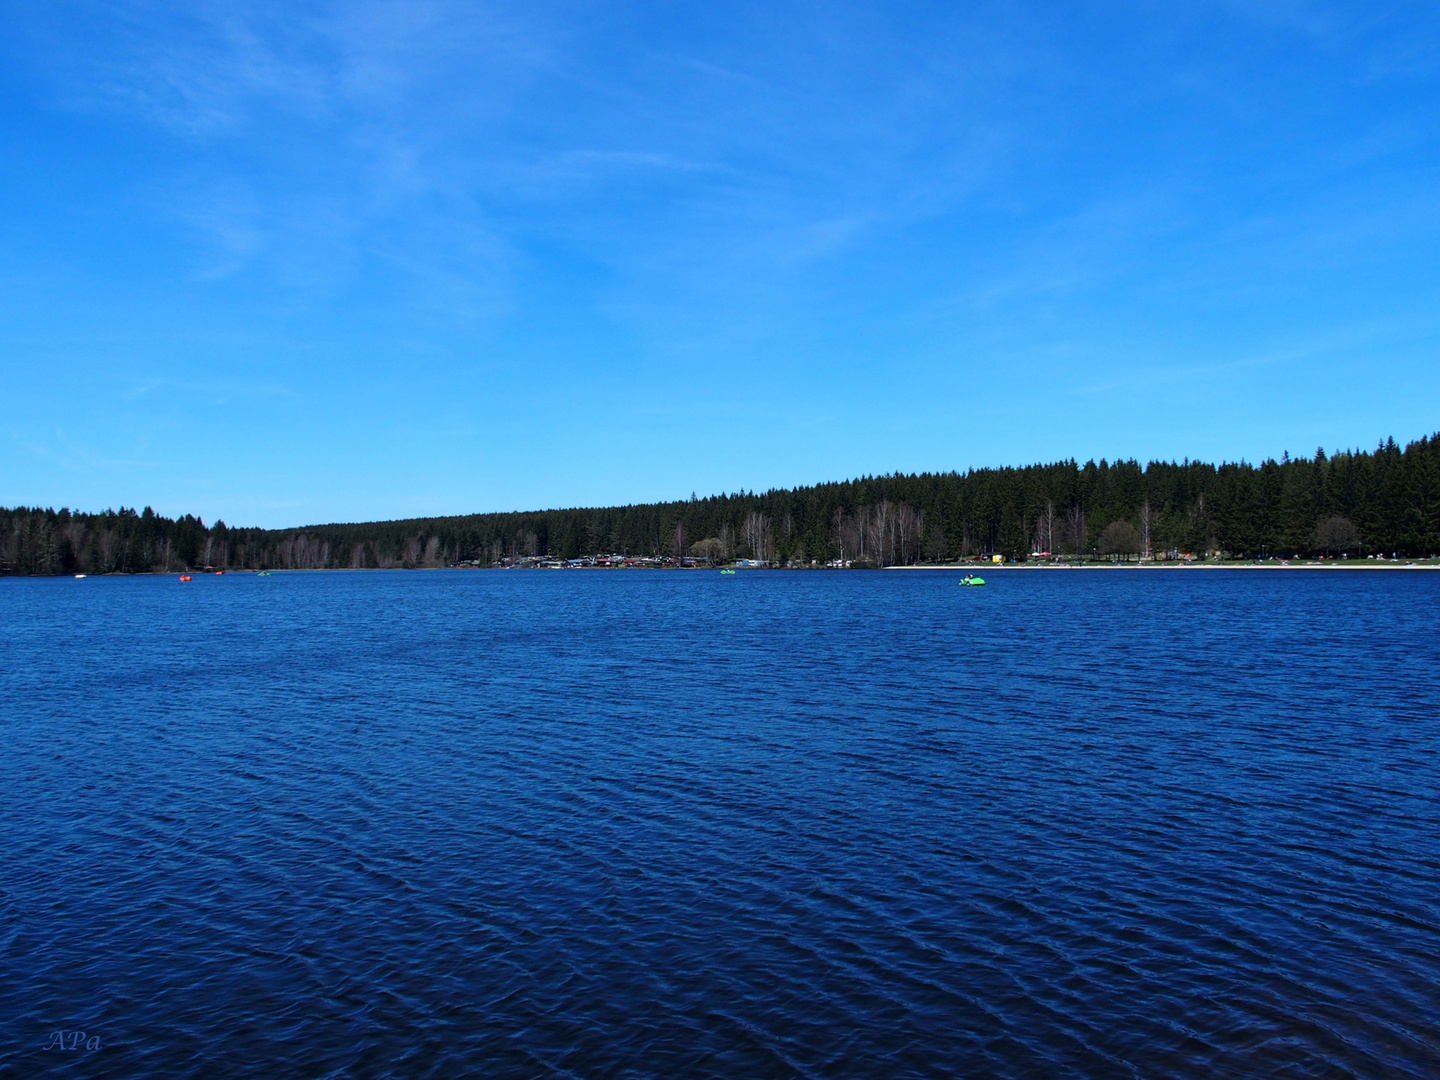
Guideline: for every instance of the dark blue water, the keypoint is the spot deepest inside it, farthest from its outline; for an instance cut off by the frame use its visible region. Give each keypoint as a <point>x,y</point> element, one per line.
<point>630,824</point>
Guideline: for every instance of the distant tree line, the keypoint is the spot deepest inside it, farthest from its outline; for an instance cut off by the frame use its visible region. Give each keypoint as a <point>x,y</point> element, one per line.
<point>1385,501</point>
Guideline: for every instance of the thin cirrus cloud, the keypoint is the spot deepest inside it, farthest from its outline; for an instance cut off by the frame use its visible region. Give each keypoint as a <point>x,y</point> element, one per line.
<point>511,239</point>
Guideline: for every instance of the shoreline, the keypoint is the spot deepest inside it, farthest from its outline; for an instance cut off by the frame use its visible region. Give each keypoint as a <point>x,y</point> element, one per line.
<point>973,568</point>
<point>1357,565</point>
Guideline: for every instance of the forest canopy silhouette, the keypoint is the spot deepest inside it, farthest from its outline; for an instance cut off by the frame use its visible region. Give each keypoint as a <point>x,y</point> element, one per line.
<point>1384,501</point>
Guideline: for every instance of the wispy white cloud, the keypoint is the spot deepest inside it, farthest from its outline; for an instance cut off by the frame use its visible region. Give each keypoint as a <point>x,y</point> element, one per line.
<point>207,69</point>
<point>386,195</point>
<point>215,391</point>
<point>62,450</point>
<point>226,217</point>
<point>200,73</point>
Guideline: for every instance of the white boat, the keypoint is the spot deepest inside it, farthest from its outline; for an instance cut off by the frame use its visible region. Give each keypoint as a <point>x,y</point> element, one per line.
<point>79,576</point>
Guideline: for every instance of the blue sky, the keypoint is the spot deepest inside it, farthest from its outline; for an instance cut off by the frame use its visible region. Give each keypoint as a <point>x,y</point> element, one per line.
<point>292,263</point>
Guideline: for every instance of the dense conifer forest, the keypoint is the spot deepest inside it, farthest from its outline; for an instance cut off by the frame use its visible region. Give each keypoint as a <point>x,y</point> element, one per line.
<point>1385,501</point>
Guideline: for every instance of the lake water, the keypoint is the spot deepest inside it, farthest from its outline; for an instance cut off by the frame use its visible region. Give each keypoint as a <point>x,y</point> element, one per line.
<point>662,824</point>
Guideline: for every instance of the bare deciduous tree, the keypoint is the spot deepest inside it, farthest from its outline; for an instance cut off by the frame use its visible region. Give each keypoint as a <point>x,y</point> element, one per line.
<point>1335,534</point>
<point>709,549</point>
<point>756,534</point>
<point>1045,529</point>
<point>1076,532</point>
<point>841,527</point>
<point>1119,538</point>
<point>727,542</point>
<point>879,528</point>
<point>1147,520</point>
<point>935,547</point>
<point>909,526</point>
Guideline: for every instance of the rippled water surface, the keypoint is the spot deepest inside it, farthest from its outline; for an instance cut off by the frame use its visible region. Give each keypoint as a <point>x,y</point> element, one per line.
<point>631,824</point>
